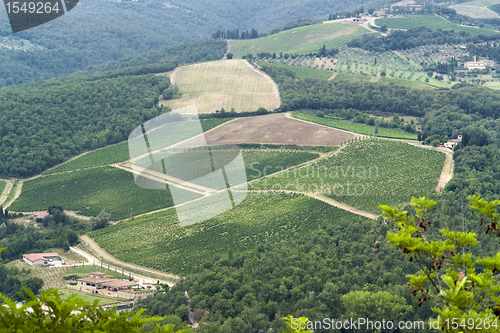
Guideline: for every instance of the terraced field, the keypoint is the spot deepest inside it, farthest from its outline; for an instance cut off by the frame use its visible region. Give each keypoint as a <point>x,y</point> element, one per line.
<point>158,241</point>
<point>224,84</point>
<point>365,174</point>
<point>300,40</point>
<point>406,83</point>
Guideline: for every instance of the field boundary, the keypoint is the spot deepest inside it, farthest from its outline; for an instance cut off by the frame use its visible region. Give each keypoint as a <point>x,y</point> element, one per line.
<point>274,84</point>
<point>17,193</point>
<point>6,191</point>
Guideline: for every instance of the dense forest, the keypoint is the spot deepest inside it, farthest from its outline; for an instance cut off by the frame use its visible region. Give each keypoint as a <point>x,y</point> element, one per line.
<point>312,275</point>
<point>185,53</point>
<point>470,111</point>
<point>98,31</point>
<point>61,118</point>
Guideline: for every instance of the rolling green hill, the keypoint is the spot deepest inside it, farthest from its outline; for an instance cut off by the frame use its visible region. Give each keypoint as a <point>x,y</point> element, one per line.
<point>115,153</point>
<point>300,40</point>
<point>44,124</point>
<point>366,173</point>
<point>158,241</point>
<point>429,21</point>
<point>91,190</point>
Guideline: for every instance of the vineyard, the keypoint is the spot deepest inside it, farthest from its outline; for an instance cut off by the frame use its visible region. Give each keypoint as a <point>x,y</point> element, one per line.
<point>300,40</point>
<point>157,241</point>
<point>91,190</point>
<point>223,84</point>
<point>356,127</point>
<point>358,61</point>
<point>476,9</point>
<point>88,298</point>
<point>305,72</point>
<point>413,21</point>
<point>352,77</point>
<point>406,83</point>
<point>365,174</point>
<point>117,153</point>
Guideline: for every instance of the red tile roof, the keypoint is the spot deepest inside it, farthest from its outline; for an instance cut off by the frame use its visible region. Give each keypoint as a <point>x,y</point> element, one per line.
<point>39,256</point>
<point>118,283</point>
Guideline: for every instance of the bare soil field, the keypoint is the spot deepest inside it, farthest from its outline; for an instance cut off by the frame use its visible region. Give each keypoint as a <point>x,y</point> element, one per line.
<point>278,129</point>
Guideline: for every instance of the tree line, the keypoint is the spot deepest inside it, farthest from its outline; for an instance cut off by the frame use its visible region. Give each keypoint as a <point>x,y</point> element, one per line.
<point>235,34</point>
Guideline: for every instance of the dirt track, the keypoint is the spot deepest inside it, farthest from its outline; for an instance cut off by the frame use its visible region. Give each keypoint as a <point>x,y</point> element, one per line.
<point>18,190</point>
<point>100,252</point>
<point>277,129</point>
<point>6,190</point>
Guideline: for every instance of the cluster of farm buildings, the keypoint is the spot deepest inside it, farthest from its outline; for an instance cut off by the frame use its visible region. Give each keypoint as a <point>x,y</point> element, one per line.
<point>96,283</point>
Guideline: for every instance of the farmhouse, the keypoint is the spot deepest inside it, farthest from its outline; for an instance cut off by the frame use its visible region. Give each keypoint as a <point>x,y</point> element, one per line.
<point>38,259</point>
<point>97,283</point>
<point>479,64</point>
<point>453,142</point>
<point>38,216</point>
<point>415,8</point>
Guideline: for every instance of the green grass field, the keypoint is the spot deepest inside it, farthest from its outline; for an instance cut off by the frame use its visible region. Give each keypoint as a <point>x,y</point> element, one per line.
<point>84,271</point>
<point>366,174</point>
<point>429,21</point>
<point>88,298</point>
<point>303,72</point>
<point>157,241</point>
<point>115,153</point>
<point>406,83</point>
<point>356,127</point>
<point>300,40</point>
<point>413,21</point>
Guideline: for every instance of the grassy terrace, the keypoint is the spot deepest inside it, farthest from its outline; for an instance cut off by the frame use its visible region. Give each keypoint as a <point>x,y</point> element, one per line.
<point>356,127</point>
<point>300,40</point>
<point>303,72</point>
